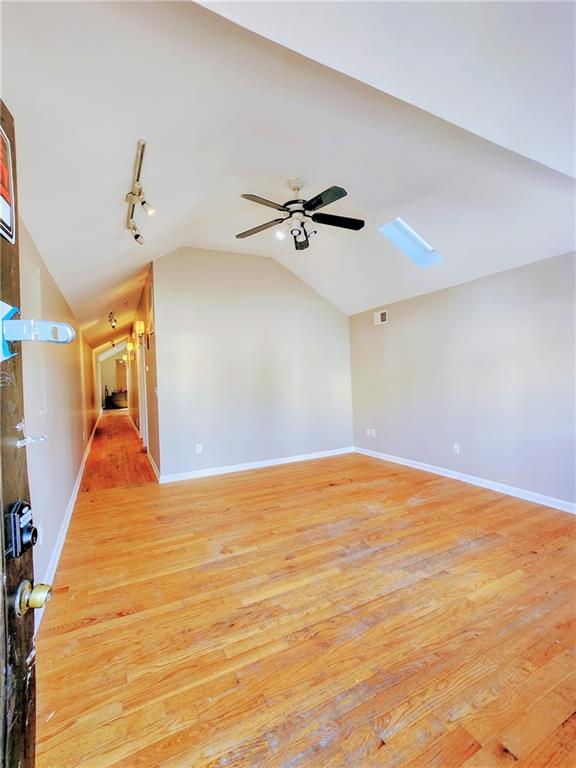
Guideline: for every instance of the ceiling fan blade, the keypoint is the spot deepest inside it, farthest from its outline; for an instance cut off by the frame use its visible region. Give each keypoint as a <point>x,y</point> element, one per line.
<point>263,201</point>
<point>338,221</point>
<point>329,195</point>
<point>261,228</point>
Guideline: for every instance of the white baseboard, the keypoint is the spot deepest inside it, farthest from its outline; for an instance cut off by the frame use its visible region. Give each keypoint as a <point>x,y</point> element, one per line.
<point>154,467</point>
<point>150,459</point>
<point>48,577</point>
<point>509,490</point>
<point>133,423</point>
<point>250,465</point>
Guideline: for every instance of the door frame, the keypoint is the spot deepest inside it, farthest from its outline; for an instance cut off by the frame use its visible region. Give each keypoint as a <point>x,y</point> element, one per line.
<point>142,393</point>
<point>120,346</point>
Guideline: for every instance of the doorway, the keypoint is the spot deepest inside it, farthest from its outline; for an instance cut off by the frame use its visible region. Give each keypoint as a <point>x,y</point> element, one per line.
<point>114,378</point>
<point>142,394</point>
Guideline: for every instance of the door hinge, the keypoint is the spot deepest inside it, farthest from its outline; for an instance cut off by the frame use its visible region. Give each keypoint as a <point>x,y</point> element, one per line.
<point>30,330</point>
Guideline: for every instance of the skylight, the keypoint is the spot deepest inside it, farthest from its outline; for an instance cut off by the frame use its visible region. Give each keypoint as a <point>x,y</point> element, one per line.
<point>410,243</point>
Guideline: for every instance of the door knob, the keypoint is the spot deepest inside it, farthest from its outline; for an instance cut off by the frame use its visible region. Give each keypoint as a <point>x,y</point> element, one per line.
<point>27,597</point>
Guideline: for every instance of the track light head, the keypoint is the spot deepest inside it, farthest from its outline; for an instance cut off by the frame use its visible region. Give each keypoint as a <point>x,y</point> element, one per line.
<point>147,207</point>
<point>133,229</point>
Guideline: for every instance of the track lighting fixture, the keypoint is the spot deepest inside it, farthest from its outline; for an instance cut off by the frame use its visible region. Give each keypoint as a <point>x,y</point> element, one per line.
<point>113,322</point>
<point>136,195</point>
<point>135,232</point>
<point>147,207</point>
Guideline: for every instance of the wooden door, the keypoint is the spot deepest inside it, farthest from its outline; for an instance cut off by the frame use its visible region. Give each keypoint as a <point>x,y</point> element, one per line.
<point>17,727</point>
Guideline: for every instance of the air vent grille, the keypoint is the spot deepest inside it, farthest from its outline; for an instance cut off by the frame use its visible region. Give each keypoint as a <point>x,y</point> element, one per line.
<point>380,317</point>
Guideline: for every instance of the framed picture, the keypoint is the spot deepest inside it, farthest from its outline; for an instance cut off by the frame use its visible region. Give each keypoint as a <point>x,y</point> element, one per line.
<point>7,212</point>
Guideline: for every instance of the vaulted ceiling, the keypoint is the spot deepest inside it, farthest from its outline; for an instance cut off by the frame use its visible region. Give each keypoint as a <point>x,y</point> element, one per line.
<point>502,70</point>
<point>226,111</point>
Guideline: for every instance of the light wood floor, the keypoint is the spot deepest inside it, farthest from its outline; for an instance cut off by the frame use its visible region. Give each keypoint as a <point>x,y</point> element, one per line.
<point>116,458</point>
<point>339,612</point>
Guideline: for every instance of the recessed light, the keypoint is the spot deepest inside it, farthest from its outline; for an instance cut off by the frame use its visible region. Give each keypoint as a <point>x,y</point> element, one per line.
<point>410,243</point>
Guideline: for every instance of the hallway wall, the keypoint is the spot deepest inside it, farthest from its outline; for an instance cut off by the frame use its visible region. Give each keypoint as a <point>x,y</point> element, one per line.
<point>145,313</point>
<point>91,408</point>
<point>253,365</point>
<point>58,402</point>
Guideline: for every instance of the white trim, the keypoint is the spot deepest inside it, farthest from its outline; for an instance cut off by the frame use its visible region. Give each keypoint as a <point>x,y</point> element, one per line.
<point>249,465</point>
<point>132,422</point>
<point>150,459</point>
<point>154,467</point>
<point>59,546</point>
<point>509,490</point>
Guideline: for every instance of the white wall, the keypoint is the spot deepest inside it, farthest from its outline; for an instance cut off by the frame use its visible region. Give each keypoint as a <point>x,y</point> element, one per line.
<point>252,363</point>
<point>55,404</point>
<point>488,364</point>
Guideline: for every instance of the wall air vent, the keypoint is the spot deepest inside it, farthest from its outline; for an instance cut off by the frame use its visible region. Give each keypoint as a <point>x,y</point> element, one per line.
<point>380,317</point>
<point>410,243</point>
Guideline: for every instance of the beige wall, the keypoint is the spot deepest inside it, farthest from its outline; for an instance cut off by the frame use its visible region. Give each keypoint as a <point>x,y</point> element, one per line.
<point>252,363</point>
<point>152,403</point>
<point>56,403</point>
<point>488,364</point>
<point>88,370</point>
<point>134,386</point>
<point>145,355</point>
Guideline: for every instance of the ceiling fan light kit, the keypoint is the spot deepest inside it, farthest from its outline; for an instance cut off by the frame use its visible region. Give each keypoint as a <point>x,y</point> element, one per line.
<point>136,195</point>
<point>302,216</point>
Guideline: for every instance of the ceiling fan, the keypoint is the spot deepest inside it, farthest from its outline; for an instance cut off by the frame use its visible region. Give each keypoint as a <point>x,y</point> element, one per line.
<point>302,215</point>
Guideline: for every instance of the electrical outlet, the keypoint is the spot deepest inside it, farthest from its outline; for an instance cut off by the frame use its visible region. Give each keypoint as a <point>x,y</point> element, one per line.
<point>199,448</point>
<point>372,432</point>
<point>455,447</point>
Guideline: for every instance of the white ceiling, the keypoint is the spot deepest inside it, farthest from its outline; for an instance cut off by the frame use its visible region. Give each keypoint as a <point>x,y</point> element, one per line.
<point>225,112</point>
<point>503,70</point>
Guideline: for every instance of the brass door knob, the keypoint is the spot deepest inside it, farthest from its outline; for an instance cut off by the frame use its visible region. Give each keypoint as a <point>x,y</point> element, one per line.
<point>27,597</point>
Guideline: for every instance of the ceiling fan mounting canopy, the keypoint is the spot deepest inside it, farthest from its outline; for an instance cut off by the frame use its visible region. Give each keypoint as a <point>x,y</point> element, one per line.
<point>302,214</point>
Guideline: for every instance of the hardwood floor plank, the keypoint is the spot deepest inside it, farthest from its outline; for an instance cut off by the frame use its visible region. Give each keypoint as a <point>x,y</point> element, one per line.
<point>538,722</point>
<point>338,612</point>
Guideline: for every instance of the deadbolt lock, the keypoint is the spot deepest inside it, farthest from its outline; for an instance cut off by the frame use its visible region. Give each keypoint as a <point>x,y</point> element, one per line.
<point>27,597</point>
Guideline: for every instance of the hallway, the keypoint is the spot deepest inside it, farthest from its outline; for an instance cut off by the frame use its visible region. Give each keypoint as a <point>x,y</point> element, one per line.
<point>116,458</point>
<point>337,612</point>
